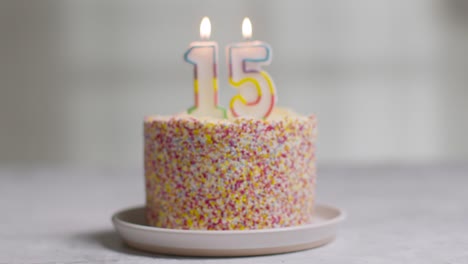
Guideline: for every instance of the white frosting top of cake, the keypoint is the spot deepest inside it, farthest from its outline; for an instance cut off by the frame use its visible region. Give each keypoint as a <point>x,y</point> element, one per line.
<point>278,114</point>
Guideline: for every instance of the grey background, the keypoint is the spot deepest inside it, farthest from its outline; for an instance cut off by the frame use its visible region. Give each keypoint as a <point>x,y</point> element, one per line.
<point>387,78</point>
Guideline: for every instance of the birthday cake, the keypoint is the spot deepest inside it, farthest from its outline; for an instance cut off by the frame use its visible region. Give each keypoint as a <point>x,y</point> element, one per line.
<point>221,174</point>
<point>252,169</point>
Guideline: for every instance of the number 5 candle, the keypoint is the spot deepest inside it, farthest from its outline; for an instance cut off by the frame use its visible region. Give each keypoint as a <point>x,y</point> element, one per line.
<point>257,96</point>
<point>204,57</point>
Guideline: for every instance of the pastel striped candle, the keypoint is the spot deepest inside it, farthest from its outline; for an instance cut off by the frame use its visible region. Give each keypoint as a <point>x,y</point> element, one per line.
<point>203,55</point>
<point>257,96</point>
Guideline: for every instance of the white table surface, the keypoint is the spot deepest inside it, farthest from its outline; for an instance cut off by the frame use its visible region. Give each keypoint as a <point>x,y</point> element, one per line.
<point>396,214</point>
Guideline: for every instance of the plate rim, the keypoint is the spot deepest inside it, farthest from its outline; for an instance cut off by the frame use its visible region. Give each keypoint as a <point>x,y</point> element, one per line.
<point>116,220</point>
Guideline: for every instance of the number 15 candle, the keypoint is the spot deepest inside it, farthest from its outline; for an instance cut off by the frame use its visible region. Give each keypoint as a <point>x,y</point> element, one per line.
<point>204,57</point>
<point>257,95</point>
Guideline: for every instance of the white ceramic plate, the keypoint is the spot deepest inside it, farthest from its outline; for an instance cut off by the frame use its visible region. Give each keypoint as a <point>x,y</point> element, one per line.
<point>132,227</point>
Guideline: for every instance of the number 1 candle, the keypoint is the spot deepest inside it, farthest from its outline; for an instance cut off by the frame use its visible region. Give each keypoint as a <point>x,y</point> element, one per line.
<point>257,96</point>
<point>204,57</point>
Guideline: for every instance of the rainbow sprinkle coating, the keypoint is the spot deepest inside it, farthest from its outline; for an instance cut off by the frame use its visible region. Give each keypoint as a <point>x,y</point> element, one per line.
<point>220,174</point>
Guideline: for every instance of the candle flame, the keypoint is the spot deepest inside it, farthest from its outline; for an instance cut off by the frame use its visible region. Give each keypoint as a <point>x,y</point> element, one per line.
<point>205,28</point>
<point>246,28</point>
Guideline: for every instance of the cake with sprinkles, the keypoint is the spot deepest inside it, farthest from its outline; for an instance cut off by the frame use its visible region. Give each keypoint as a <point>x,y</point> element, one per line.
<point>230,174</point>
